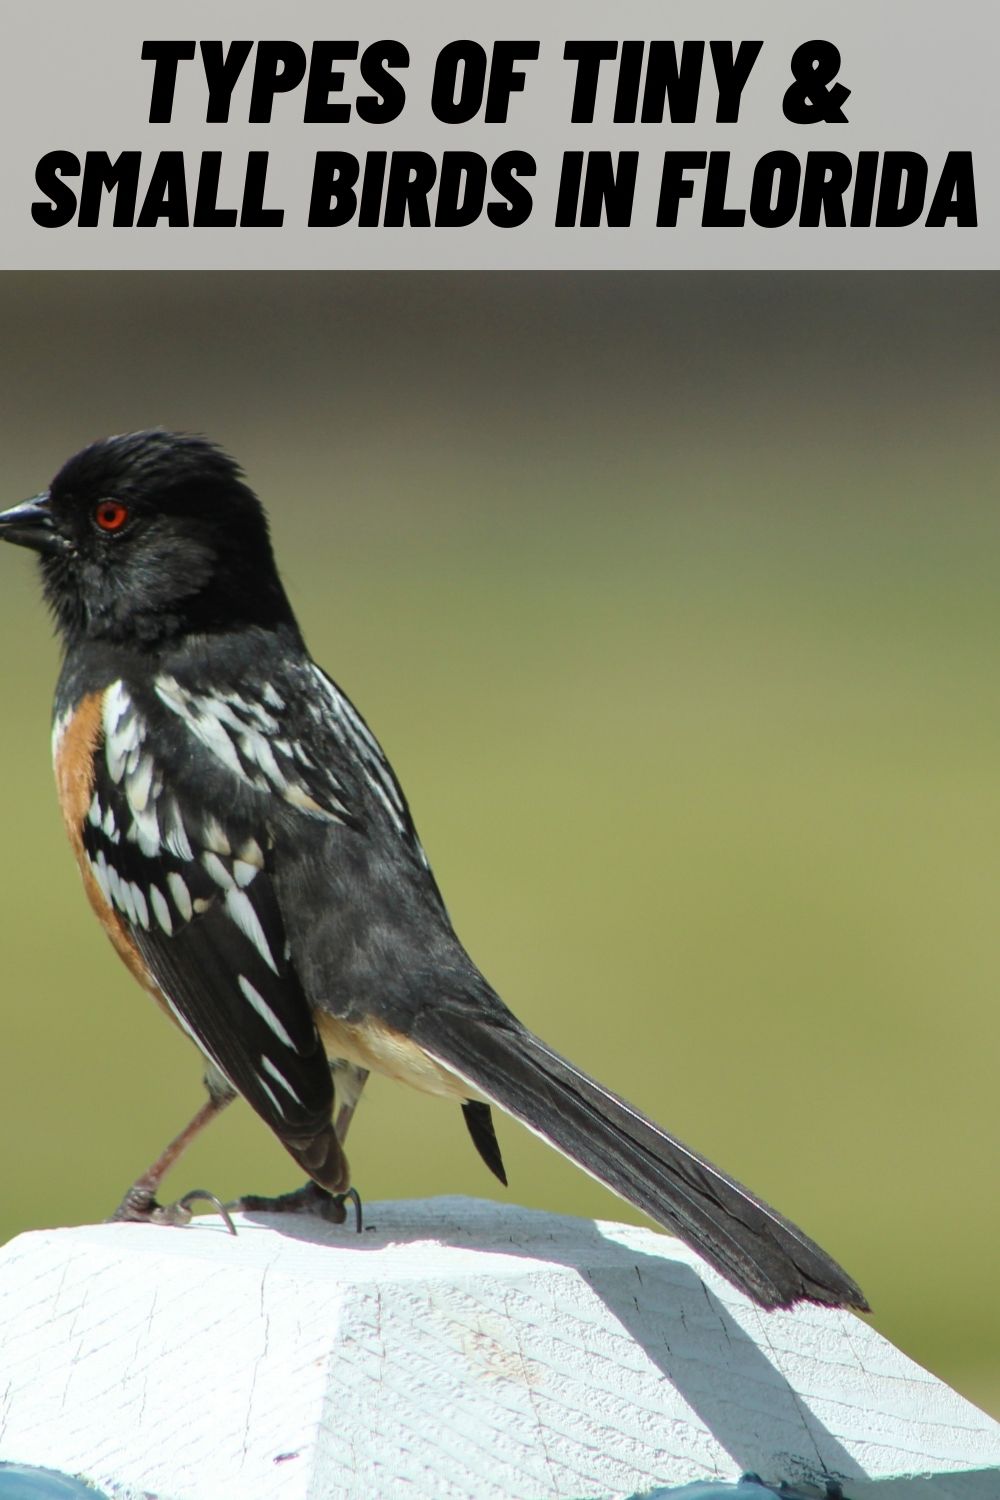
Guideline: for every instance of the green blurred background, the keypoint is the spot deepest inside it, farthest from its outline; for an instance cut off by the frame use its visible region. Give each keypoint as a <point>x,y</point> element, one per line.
<point>674,601</point>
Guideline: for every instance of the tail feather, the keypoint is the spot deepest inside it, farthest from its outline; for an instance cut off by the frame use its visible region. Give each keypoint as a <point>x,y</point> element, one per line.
<point>754,1246</point>
<point>479,1123</point>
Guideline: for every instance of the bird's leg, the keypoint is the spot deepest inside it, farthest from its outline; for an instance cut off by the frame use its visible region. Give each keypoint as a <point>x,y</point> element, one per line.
<point>348,1081</point>
<point>139,1205</point>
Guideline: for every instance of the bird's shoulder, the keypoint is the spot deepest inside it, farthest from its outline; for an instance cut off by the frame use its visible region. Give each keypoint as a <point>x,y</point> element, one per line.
<point>252,725</point>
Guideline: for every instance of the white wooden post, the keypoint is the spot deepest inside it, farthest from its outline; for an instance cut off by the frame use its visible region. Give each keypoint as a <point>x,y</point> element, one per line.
<point>456,1349</point>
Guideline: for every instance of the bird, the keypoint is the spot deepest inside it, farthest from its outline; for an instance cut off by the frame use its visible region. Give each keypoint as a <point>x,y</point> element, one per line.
<point>251,855</point>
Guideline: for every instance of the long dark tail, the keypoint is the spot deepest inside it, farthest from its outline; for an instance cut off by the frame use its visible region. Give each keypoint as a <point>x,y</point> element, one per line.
<point>751,1244</point>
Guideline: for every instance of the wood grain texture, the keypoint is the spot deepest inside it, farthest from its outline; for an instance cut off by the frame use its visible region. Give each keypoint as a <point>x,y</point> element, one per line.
<point>460,1349</point>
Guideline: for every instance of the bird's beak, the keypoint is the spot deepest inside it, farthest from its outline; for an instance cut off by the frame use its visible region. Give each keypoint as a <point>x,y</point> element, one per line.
<point>30,524</point>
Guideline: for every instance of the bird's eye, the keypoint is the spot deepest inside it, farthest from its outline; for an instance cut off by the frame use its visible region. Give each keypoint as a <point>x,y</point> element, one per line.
<point>110,515</point>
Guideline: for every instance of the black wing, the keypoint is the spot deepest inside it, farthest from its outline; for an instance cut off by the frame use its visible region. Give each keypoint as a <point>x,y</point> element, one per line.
<point>190,877</point>
<point>295,755</point>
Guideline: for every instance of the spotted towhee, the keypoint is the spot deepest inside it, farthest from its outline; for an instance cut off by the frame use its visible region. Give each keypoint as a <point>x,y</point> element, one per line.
<point>251,856</point>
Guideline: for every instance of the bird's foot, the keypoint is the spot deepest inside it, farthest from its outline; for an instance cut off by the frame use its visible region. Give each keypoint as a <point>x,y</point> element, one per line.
<point>310,1199</point>
<point>140,1207</point>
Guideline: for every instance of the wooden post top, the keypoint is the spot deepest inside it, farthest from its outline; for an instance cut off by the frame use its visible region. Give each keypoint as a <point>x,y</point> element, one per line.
<point>455,1348</point>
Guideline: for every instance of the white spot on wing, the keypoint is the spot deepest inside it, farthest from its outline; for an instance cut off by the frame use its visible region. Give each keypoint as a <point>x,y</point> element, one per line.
<point>240,712</point>
<point>177,840</point>
<point>257,747</point>
<point>278,1076</point>
<point>100,869</point>
<point>117,704</point>
<point>215,836</point>
<point>269,1091</point>
<point>299,797</point>
<point>145,832</point>
<point>122,889</point>
<point>252,854</point>
<point>378,787</point>
<point>214,867</point>
<point>204,725</point>
<point>222,724</point>
<point>265,1012</point>
<point>122,731</point>
<point>359,737</point>
<point>161,910</point>
<point>141,908</point>
<point>139,783</point>
<point>209,729</point>
<point>181,895</point>
<point>240,908</point>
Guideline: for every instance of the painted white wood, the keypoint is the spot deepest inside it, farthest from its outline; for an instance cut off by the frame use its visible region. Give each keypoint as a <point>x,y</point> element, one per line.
<point>457,1349</point>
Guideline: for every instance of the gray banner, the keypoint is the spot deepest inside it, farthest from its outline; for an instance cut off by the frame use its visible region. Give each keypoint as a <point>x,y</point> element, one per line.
<point>907,179</point>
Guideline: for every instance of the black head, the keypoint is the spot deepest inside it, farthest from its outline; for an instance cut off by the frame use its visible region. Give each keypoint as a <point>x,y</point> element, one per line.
<point>149,536</point>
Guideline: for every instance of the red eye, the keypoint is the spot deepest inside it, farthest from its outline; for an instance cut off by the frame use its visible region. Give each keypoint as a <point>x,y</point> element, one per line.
<point>110,515</point>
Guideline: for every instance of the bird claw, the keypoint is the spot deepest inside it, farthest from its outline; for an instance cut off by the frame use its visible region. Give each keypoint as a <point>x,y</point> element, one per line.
<point>355,1198</point>
<point>140,1207</point>
<point>204,1196</point>
<point>310,1199</point>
